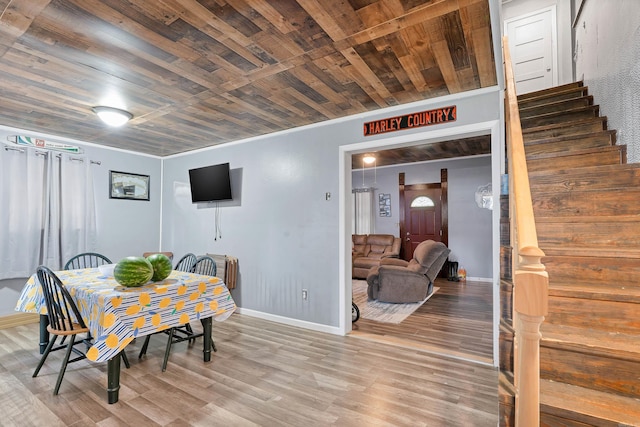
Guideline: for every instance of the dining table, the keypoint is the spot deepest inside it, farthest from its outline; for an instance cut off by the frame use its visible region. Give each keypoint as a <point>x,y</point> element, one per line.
<point>116,315</point>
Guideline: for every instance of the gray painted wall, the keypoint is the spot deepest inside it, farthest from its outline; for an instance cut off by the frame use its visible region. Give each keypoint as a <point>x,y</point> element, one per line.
<point>470,227</point>
<point>281,228</point>
<point>608,59</point>
<point>125,227</point>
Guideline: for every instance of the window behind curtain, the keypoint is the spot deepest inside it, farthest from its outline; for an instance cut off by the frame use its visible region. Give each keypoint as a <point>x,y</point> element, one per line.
<point>47,210</point>
<point>363,221</point>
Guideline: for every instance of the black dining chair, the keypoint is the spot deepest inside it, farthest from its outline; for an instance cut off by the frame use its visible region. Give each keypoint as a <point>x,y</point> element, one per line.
<point>64,321</point>
<point>186,263</point>
<point>204,265</point>
<point>86,260</point>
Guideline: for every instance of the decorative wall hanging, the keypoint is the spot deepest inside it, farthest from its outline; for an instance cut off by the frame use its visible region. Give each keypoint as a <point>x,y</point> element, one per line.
<point>384,203</point>
<point>27,141</point>
<point>123,185</point>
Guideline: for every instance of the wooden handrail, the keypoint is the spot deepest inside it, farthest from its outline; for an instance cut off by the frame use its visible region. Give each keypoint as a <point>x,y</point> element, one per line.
<point>530,279</point>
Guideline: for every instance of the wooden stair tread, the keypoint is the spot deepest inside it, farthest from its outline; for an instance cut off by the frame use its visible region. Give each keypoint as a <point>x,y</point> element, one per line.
<point>570,124</point>
<point>588,406</point>
<point>555,106</point>
<point>621,292</point>
<point>610,344</point>
<point>551,91</point>
<point>604,134</point>
<point>594,219</point>
<point>575,152</point>
<point>588,112</point>
<point>591,251</point>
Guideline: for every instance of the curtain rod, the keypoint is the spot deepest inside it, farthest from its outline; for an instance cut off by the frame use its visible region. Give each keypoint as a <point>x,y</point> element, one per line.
<point>44,153</point>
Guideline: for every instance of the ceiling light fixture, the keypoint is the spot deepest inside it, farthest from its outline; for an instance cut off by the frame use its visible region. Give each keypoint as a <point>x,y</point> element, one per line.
<point>369,158</point>
<point>113,116</point>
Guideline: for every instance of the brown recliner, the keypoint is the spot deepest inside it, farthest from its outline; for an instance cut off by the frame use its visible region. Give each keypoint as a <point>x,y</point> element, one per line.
<point>399,281</point>
<point>370,249</point>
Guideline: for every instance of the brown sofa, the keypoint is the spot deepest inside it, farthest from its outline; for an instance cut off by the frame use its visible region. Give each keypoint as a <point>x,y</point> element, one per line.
<point>369,249</point>
<point>399,281</point>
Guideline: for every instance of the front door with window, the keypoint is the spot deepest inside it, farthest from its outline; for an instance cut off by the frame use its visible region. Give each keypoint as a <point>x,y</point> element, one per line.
<point>422,217</point>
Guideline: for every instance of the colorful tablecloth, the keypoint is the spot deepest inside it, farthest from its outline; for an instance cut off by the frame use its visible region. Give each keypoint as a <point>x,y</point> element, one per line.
<point>116,315</point>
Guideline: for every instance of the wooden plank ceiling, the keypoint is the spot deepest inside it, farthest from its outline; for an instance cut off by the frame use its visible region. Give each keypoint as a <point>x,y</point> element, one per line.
<point>200,73</point>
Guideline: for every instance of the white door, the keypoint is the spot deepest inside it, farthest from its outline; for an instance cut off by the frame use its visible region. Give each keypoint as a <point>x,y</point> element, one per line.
<point>532,43</point>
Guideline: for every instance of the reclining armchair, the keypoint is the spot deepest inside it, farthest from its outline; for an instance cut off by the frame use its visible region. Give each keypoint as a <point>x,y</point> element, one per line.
<point>399,281</point>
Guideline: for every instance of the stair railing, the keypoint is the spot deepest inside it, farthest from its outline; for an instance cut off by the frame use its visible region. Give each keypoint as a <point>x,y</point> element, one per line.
<point>530,279</point>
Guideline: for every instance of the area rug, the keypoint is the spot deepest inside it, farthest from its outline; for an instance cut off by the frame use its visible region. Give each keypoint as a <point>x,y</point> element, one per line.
<point>383,311</point>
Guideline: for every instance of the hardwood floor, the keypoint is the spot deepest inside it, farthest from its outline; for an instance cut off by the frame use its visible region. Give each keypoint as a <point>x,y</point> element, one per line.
<point>456,321</point>
<point>264,373</point>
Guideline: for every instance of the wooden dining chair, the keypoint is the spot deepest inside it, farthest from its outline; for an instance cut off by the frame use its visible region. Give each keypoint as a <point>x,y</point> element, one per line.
<point>204,265</point>
<point>86,260</point>
<point>64,321</point>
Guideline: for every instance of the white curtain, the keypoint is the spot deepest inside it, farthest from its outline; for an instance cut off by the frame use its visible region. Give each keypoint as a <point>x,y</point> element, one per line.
<point>47,211</point>
<point>363,219</point>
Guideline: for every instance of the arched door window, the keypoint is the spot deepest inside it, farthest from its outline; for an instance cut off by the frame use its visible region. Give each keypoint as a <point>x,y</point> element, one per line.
<point>422,202</point>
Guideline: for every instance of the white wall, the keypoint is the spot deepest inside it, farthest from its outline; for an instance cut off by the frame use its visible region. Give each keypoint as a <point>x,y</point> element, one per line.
<point>470,227</point>
<point>125,227</point>
<point>517,8</point>
<point>608,59</point>
<point>283,231</point>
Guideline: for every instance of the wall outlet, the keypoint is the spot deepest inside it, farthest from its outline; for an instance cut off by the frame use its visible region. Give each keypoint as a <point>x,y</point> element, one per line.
<point>305,294</point>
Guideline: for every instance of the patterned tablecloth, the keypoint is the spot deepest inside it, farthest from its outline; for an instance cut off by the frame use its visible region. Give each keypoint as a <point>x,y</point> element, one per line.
<point>116,315</point>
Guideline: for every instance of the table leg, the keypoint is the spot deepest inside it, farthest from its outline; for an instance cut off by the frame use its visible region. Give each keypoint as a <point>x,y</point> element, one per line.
<point>44,334</point>
<point>113,378</point>
<point>206,342</point>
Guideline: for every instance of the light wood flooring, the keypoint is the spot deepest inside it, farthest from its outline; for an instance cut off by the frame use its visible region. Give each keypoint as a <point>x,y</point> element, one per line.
<point>456,321</point>
<point>264,373</point>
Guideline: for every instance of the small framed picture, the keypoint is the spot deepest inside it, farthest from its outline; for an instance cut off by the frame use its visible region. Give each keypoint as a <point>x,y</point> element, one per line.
<point>384,204</point>
<point>132,186</point>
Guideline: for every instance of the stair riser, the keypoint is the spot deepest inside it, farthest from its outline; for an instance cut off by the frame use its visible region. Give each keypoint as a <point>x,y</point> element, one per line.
<point>598,124</point>
<point>590,234</point>
<point>590,370</point>
<point>559,117</point>
<point>551,91</point>
<point>585,203</point>
<point>578,161</point>
<point>602,140</point>
<point>613,316</point>
<point>532,111</point>
<point>606,178</point>
<point>534,102</point>
<point>602,269</point>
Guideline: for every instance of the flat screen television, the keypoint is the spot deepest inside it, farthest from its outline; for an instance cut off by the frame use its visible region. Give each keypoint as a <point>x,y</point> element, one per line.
<point>210,183</point>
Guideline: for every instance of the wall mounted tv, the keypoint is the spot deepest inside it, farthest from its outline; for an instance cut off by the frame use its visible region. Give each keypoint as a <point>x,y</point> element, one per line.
<point>210,183</point>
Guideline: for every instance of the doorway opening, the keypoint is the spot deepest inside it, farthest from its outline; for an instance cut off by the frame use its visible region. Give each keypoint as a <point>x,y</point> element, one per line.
<point>491,128</point>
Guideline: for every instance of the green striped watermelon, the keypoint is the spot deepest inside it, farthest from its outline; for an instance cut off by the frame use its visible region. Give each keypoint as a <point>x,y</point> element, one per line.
<point>161,266</point>
<point>133,271</point>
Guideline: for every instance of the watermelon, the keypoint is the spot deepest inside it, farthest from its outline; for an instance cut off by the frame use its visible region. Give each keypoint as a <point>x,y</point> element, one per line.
<point>133,271</point>
<point>161,266</point>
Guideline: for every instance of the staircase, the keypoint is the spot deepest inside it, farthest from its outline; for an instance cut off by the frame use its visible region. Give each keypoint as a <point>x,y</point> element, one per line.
<point>586,202</point>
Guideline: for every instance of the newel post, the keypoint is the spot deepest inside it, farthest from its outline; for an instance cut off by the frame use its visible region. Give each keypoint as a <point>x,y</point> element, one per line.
<point>531,286</point>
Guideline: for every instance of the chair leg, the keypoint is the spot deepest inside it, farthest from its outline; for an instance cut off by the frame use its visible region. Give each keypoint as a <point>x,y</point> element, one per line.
<point>65,361</point>
<point>213,345</point>
<point>190,330</point>
<point>125,359</point>
<point>168,350</point>
<point>143,350</point>
<point>45,354</point>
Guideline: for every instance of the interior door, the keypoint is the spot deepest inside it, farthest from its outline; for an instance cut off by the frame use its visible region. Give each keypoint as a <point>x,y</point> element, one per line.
<point>422,216</point>
<point>532,46</point>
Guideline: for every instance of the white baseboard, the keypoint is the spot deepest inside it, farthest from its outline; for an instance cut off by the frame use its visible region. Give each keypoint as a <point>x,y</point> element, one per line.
<point>291,322</point>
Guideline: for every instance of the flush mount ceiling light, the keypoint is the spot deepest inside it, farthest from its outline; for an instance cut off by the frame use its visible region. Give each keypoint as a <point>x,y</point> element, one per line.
<point>113,116</point>
<point>369,158</point>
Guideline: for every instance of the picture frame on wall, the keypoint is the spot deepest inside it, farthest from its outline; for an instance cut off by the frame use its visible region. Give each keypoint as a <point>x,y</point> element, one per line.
<point>131,186</point>
<point>384,204</point>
